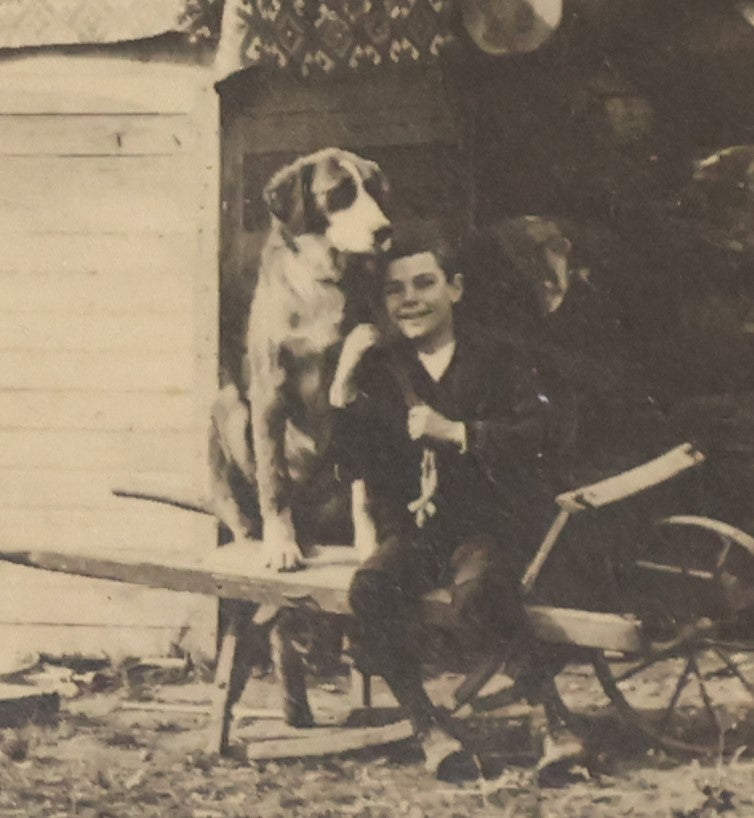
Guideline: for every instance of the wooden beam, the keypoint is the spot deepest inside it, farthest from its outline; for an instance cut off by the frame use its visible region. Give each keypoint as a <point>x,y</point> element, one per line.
<point>329,741</point>
<point>590,629</point>
<point>220,713</point>
<point>237,572</point>
<point>233,572</point>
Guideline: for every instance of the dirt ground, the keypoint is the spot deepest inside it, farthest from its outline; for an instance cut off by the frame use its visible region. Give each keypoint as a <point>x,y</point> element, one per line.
<point>122,746</point>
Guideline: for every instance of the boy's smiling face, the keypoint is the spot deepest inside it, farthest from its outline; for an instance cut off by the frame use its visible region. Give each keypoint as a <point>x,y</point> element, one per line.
<point>419,298</point>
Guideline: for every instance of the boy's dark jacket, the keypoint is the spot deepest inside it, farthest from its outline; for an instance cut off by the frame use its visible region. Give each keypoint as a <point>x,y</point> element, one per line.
<point>513,412</point>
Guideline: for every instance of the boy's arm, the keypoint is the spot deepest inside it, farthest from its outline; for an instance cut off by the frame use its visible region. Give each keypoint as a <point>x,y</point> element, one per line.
<point>365,413</point>
<point>517,431</point>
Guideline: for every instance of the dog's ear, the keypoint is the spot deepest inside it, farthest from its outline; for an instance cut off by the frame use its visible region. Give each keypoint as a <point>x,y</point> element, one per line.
<point>375,181</point>
<point>284,196</point>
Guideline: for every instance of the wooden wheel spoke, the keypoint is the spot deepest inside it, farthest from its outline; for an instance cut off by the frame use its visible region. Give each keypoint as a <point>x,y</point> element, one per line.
<point>723,556</point>
<point>683,680</point>
<point>709,706</point>
<point>682,644</point>
<point>733,668</point>
<point>632,671</point>
<point>727,644</point>
<point>669,650</point>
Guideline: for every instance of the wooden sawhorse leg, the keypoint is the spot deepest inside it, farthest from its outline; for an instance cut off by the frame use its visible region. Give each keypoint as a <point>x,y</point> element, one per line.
<point>361,688</point>
<point>230,674</point>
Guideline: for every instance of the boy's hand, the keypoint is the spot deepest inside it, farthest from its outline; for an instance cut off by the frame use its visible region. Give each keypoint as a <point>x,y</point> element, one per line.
<point>424,421</point>
<point>358,341</point>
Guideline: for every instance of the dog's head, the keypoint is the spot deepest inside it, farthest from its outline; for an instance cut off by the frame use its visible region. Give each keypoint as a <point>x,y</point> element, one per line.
<point>335,194</point>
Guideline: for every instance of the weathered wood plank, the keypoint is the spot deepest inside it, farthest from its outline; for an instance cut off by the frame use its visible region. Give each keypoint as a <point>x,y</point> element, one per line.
<point>44,599</point>
<point>78,85</point>
<point>206,289</point>
<point>75,253</point>
<point>98,194</point>
<point>565,626</point>
<point>109,640</point>
<point>61,488</point>
<point>96,135</point>
<point>97,411</point>
<point>199,709</point>
<point>325,741</point>
<point>220,712</point>
<point>232,572</point>
<point>632,481</point>
<point>116,371</point>
<point>420,89</point>
<point>159,529</point>
<point>356,128</point>
<point>136,292</point>
<point>147,450</point>
<point>102,222</point>
<point>60,331</point>
<point>238,572</point>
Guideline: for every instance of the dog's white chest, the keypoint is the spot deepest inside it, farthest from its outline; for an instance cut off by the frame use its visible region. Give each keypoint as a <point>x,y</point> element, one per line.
<point>315,324</point>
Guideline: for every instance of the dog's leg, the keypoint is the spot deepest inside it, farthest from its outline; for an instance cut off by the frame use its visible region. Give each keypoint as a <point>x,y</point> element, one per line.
<point>230,459</point>
<point>268,433</point>
<point>364,532</point>
<point>289,668</point>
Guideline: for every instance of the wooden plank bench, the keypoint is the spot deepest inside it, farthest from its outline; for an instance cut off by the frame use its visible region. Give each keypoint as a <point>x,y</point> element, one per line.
<point>235,573</point>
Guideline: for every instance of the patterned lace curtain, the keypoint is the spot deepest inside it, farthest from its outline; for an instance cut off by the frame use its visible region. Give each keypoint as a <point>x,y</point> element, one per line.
<point>311,37</point>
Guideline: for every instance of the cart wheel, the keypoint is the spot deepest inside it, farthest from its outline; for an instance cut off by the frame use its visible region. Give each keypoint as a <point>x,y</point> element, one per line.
<point>692,689</point>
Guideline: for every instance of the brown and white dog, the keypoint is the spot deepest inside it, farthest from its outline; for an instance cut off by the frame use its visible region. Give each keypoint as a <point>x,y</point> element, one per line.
<point>328,223</point>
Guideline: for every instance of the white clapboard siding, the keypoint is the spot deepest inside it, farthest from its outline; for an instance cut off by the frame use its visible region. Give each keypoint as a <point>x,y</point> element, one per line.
<point>119,134</point>
<point>74,253</point>
<point>98,291</point>
<point>108,294</point>
<point>85,85</point>
<point>76,450</point>
<point>138,523</point>
<point>96,410</point>
<point>95,369</point>
<point>151,194</point>
<point>62,488</point>
<point>48,331</point>
<point>73,615</point>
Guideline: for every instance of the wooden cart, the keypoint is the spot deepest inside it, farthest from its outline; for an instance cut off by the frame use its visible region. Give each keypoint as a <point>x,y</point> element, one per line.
<point>689,636</point>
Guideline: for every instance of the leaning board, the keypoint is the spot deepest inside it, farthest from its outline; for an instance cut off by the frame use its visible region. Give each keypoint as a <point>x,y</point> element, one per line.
<point>237,572</point>
<point>232,572</point>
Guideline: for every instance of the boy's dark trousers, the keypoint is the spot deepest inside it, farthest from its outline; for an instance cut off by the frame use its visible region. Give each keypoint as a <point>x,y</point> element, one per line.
<point>385,596</point>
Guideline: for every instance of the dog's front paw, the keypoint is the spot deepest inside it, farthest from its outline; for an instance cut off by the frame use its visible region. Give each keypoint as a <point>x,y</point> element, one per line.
<point>283,555</point>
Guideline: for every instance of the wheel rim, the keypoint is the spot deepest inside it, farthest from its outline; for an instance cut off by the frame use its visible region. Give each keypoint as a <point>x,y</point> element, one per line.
<point>692,691</point>
<point>697,700</point>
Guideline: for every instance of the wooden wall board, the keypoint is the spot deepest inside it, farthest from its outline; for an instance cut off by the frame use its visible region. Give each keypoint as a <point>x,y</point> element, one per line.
<point>83,450</point>
<point>109,258</point>
<point>88,135</point>
<point>54,331</point>
<point>99,410</point>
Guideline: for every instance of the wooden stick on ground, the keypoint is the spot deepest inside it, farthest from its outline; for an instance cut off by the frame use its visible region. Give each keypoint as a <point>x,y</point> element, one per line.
<point>329,741</point>
<point>201,709</point>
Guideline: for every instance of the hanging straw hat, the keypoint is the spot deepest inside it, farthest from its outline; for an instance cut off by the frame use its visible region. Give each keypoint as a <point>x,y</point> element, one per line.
<point>500,27</point>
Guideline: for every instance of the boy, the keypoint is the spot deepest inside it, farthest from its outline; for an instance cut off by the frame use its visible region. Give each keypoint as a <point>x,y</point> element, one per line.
<point>449,429</point>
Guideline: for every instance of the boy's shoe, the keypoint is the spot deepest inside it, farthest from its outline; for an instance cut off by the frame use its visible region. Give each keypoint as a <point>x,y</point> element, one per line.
<point>561,751</point>
<point>445,755</point>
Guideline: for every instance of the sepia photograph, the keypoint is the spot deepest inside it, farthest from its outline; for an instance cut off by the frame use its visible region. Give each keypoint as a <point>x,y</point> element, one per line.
<point>376,408</point>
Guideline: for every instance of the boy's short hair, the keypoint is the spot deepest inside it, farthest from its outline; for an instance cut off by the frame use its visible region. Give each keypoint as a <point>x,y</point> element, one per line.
<point>427,237</point>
